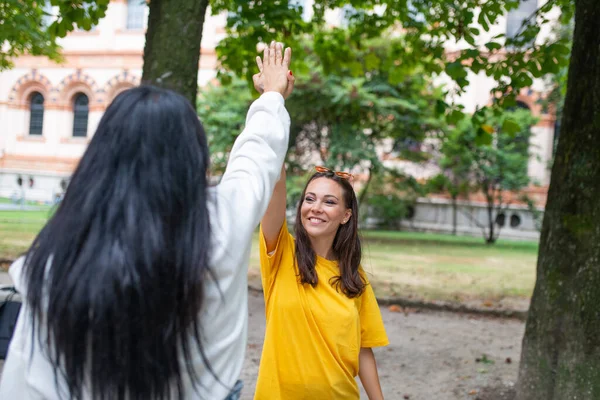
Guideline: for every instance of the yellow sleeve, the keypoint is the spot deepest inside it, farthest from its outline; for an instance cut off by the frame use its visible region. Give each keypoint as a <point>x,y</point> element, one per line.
<point>372,331</point>
<point>269,263</point>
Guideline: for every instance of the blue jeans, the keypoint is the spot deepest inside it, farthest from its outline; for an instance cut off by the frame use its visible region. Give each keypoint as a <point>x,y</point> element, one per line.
<point>236,392</point>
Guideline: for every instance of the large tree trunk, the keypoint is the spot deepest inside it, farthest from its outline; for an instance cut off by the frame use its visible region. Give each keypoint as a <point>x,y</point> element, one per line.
<point>560,359</point>
<point>172,50</point>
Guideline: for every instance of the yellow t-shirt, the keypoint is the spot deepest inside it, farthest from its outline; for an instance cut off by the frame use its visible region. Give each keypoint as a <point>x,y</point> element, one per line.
<point>313,334</point>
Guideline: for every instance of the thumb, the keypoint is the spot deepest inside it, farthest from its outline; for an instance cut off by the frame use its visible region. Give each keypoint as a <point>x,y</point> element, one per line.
<point>290,85</point>
<point>256,78</point>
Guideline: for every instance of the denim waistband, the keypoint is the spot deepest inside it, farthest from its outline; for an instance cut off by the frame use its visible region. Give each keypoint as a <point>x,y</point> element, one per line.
<point>236,392</point>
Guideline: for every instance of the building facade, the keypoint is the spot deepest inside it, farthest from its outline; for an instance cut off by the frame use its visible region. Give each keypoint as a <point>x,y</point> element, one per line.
<point>49,111</point>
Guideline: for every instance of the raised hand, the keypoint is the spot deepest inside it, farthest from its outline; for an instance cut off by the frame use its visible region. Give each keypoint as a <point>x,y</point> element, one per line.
<point>274,70</point>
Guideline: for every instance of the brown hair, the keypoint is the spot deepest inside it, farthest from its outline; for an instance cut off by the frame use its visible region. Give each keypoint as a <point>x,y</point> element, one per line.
<point>346,244</point>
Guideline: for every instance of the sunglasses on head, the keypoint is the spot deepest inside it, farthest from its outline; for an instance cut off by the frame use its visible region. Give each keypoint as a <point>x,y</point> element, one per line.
<point>343,175</point>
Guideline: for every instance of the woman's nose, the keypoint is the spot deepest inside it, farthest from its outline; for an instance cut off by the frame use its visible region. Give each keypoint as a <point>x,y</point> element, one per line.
<point>316,207</point>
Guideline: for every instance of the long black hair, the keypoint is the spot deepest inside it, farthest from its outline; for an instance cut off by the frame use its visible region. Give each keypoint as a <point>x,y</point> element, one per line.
<point>346,244</point>
<point>115,278</point>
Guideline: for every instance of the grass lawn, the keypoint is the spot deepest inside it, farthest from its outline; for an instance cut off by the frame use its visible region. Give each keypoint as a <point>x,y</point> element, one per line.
<point>18,229</point>
<point>450,268</point>
<point>408,264</point>
<point>443,267</point>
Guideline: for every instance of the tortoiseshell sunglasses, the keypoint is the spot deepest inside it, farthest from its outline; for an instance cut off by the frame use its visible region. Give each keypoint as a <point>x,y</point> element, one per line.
<point>344,175</point>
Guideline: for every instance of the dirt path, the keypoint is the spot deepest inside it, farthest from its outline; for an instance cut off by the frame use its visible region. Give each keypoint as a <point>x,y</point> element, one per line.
<point>432,355</point>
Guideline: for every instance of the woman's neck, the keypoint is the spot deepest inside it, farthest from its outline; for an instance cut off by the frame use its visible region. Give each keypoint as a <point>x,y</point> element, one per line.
<point>323,247</point>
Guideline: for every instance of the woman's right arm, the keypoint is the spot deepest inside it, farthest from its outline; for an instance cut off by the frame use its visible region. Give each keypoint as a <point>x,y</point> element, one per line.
<point>255,159</point>
<point>275,215</point>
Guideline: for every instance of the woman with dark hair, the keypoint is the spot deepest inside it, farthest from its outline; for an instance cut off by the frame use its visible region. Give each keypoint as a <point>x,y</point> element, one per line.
<point>322,315</point>
<point>137,287</point>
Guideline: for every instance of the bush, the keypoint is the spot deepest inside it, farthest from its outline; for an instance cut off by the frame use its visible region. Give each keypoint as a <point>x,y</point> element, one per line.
<point>389,209</point>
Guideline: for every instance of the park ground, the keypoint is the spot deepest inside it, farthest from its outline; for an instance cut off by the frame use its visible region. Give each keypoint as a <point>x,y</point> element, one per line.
<point>432,354</point>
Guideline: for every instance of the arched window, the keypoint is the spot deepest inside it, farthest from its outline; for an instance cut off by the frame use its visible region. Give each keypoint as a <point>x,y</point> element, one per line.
<point>501,219</point>
<point>136,14</point>
<point>36,114</point>
<point>81,110</point>
<point>515,221</point>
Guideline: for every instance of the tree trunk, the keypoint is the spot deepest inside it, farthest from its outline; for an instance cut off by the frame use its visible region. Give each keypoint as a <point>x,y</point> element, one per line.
<point>491,222</point>
<point>454,216</point>
<point>172,50</point>
<point>560,359</point>
<point>365,189</point>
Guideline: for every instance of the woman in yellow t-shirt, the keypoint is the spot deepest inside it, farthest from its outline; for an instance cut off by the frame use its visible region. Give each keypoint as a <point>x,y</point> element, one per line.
<point>322,315</point>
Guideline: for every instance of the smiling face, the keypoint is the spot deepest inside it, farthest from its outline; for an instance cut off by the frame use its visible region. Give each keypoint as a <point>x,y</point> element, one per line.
<point>323,208</point>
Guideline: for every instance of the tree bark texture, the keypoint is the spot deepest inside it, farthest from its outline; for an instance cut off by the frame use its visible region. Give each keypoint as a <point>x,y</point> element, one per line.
<point>172,50</point>
<point>560,359</point>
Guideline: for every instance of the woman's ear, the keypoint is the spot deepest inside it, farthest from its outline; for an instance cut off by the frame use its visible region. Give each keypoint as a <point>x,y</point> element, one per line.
<point>347,216</point>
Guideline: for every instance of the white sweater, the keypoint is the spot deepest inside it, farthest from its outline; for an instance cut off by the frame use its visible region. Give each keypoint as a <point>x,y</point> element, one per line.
<point>235,207</point>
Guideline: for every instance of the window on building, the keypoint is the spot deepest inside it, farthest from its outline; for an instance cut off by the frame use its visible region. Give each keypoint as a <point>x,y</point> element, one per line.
<point>515,221</point>
<point>136,14</point>
<point>501,220</point>
<point>515,18</point>
<point>81,110</point>
<point>36,114</point>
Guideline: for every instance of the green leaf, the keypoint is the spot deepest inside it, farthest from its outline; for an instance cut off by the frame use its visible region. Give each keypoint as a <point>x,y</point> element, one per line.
<point>397,75</point>
<point>470,39</point>
<point>511,127</point>
<point>455,117</point>
<point>508,101</point>
<point>487,128</point>
<point>356,68</point>
<point>483,20</point>
<point>402,103</point>
<point>372,61</point>
<point>493,46</point>
<point>61,29</point>
<point>440,107</point>
<point>456,70</point>
<point>77,15</point>
<point>483,138</point>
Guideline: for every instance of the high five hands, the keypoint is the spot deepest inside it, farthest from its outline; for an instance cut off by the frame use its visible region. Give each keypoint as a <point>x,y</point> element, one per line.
<point>275,74</point>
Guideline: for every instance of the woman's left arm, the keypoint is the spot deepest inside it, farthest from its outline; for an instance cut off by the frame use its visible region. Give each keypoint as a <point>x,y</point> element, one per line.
<point>367,371</point>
